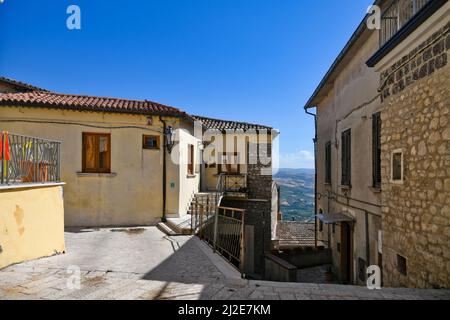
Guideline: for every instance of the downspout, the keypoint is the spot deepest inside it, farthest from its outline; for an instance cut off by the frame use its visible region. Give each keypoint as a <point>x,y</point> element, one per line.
<point>315,173</point>
<point>163,218</point>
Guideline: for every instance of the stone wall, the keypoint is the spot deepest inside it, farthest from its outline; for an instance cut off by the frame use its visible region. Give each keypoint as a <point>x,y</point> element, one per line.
<point>422,61</point>
<point>258,208</point>
<point>416,120</point>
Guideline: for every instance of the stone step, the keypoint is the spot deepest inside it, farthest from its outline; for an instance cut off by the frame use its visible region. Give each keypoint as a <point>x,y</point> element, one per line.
<point>166,229</point>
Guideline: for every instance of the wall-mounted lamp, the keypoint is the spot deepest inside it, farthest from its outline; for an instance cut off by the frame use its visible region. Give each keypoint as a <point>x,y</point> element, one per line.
<point>169,135</point>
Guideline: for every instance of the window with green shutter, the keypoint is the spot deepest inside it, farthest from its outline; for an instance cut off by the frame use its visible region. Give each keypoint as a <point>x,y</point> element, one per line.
<point>346,158</point>
<point>376,150</point>
<point>328,162</point>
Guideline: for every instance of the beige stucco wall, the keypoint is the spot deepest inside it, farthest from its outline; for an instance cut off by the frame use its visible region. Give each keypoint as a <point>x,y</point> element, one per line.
<point>31,223</point>
<point>355,85</point>
<point>188,184</point>
<point>132,194</point>
<point>236,142</point>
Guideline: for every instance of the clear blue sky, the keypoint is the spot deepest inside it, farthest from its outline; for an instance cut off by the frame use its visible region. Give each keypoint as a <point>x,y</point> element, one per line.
<point>251,60</point>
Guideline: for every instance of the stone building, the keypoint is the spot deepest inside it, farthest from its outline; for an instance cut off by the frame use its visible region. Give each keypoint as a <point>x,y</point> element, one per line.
<point>383,148</point>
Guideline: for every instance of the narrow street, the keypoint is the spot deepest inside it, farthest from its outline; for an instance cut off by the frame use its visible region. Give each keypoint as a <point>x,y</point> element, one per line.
<point>143,263</point>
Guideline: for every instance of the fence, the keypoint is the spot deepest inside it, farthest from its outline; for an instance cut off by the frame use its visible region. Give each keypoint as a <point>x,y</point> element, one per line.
<point>397,15</point>
<point>26,159</point>
<point>225,233</point>
<point>232,183</point>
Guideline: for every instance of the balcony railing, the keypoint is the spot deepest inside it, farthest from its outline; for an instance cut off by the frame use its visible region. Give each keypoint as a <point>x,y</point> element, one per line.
<point>397,16</point>
<point>25,159</point>
<point>232,183</point>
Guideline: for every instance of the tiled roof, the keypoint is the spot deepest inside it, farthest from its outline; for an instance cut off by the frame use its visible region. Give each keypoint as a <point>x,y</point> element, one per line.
<point>225,124</point>
<point>20,85</point>
<point>88,103</point>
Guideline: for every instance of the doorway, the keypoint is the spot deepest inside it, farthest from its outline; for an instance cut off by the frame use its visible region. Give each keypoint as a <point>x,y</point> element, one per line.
<point>346,263</point>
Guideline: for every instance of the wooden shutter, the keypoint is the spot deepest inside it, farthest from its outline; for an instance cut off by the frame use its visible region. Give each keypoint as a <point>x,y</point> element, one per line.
<point>346,157</point>
<point>190,166</point>
<point>96,153</point>
<point>328,162</point>
<point>376,150</point>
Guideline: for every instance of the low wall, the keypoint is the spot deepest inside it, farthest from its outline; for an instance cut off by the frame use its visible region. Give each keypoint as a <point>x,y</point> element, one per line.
<point>306,257</point>
<point>279,270</point>
<point>31,222</point>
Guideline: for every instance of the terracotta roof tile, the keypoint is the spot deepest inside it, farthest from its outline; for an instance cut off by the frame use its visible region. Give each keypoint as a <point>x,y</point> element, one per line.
<point>218,124</point>
<point>88,103</point>
<point>20,85</point>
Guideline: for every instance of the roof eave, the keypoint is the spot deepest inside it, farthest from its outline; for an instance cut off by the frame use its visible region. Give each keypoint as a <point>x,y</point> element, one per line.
<point>312,101</point>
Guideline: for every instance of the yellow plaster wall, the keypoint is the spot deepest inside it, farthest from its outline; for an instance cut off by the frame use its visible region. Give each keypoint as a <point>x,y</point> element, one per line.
<point>132,195</point>
<point>31,224</point>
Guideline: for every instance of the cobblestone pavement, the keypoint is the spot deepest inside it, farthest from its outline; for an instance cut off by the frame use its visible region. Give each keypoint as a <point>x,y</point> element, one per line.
<point>143,263</point>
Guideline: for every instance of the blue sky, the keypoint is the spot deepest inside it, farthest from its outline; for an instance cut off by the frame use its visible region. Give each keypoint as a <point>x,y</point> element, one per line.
<point>251,60</point>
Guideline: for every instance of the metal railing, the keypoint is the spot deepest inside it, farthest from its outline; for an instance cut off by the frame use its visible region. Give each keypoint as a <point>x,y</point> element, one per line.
<point>204,207</point>
<point>225,233</point>
<point>397,15</point>
<point>26,159</point>
<point>232,183</point>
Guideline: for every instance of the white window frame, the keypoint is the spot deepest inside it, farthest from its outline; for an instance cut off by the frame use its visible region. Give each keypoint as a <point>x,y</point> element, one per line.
<point>402,173</point>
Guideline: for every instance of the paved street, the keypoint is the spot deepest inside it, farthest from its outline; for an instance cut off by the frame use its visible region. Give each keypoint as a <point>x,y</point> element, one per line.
<point>143,263</point>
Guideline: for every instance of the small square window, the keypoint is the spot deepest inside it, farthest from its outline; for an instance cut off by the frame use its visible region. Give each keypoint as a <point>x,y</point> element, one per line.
<point>397,166</point>
<point>401,265</point>
<point>150,142</point>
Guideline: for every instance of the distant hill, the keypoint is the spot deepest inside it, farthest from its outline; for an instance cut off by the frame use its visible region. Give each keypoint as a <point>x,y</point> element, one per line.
<point>297,193</point>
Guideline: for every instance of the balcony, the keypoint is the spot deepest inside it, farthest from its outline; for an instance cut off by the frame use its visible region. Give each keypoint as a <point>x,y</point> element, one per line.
<point>399,20</point>
<point>397,15</point>
<point>28,160</point>
<point>232,184</point>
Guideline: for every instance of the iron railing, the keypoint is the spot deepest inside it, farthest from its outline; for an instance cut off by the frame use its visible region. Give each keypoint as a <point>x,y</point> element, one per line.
<point>225,233</point>
<point>232,183</point>
<point>26,159</point>
<point>203,208</point>
<point>397,16</point>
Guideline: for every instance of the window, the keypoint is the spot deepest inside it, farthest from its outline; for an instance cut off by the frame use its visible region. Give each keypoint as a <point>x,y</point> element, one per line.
<point>229,163</point>
<point>96,152</point>
<point>397,15</point>
<point>346,157</point>
<point>401,265</point>
<point>150,142</point>
<point>397,166</point>
<point>328,162</point>
<point>190,164</point>
<point>376,150</point>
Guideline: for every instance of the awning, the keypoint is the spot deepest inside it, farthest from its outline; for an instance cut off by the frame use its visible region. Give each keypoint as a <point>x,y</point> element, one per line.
<point>330,218</point>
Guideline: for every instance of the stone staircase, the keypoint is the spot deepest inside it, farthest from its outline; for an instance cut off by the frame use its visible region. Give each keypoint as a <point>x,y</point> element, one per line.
<point>203,202</point>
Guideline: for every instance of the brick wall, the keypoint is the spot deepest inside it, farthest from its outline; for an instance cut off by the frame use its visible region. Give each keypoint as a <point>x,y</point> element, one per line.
<point>416,120</point>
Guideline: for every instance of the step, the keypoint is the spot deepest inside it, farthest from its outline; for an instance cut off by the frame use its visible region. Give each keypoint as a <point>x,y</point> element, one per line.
<point>181,226</point>
<point>166,229</point>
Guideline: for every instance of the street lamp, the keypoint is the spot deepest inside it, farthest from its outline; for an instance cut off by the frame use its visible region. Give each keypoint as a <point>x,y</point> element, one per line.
<point>169,135</point>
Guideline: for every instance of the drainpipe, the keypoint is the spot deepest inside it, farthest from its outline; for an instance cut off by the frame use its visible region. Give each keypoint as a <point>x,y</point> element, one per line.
<point>315,173</point>
<point>163,218</point>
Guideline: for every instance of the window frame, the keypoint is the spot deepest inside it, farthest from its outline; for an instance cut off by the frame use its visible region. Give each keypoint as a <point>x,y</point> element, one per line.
<point>97,169</point>
<point>220,165</point>
<point>346,158</point>
<point>147,136</point>
<point>402,168</point>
